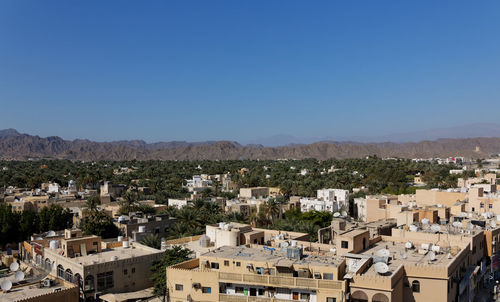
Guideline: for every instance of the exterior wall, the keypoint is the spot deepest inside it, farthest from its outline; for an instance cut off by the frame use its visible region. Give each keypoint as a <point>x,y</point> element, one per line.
<point>376,209</point>
<point>434,197</point>
<point>188,273</point>
<point>254,192</point>
<point>74,246</point>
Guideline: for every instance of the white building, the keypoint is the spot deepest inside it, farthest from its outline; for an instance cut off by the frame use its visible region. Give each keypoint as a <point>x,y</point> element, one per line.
<point>197,184</point>
<point>341,197</point>
<point>53,188</point>
<point>178,203</point>
<point>310,204</point>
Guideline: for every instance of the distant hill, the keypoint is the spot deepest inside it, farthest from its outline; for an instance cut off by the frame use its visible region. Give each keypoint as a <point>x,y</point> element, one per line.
<point>463,131</point>
<point>16,146</point>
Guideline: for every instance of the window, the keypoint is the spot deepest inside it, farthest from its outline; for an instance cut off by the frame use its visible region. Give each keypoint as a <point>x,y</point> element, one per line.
<point>133,270</point>
<point>344,244</point>
<point>206,290</point>
<point>238,263</point>
<point>415,286</point>
<point>125,272</point>
<point>214,265</point>
<point>60,271</point>
<point>238,290</point>
<point>179,287</point>
<point>331,299</point>
<point>327,276</point>
<point>271,271</point>
<point>94,243</point>
<point>490,206</point>
<point>105,281</point>
<point>481,205</point>
<point>260,291</point>
<point>304,296</point>
<point>226,263</point>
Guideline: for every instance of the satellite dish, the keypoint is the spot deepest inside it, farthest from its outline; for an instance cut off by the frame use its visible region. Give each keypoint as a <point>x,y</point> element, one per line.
<point>408,245</point>
<point>6,285</point>
<point>14,266</point>
<point>493,223</point>
<point>51,233</point>
<point>284,244</point>
<point>383,253</point>
<point>336,214</point>
<point>344,213</point>
<point>403,255</point>
<point>435,228</point>
<point>381,267</point>
<point>432,256</point>
<point>470,226</point>
<point>19,276</point>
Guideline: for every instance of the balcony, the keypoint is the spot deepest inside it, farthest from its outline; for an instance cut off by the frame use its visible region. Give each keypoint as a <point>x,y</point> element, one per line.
<point>278,281</point>
<point>234,298</point>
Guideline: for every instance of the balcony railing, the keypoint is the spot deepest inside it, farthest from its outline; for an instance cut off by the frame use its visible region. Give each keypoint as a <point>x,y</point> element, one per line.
<point>235,298</point>
<point>278,281</point>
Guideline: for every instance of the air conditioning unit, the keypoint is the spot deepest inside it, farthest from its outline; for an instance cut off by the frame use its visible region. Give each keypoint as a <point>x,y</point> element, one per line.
<point>48,282</point>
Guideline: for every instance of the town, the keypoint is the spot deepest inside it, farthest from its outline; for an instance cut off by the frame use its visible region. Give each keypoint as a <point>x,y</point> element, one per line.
<point>371,229</point>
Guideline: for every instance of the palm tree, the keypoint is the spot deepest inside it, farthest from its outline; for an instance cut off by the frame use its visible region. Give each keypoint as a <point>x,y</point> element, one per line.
<point>153,240</point>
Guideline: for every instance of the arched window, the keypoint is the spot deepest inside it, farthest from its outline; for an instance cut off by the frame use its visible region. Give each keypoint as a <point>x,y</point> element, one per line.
<point>359,296</point>
<point>68,275</point>
<point>48,265</point>
<point>415,286</point>
<point>60,271</point>
<point>78,279</point>
<point>379,297</point>
<point>89,283</point>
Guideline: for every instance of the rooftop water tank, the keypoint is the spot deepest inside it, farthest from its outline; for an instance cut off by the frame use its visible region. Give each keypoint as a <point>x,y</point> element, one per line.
<point>125,243</point>
<point>54,244</point>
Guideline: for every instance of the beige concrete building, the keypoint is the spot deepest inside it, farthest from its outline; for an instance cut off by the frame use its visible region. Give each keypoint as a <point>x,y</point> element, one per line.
<point>97,267</point>
<point>258,274</point>
<point>256,192</point>
<point>443,197</point>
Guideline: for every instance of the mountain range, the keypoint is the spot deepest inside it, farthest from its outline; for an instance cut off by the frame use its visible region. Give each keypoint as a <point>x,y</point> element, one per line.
<point>17,146</point>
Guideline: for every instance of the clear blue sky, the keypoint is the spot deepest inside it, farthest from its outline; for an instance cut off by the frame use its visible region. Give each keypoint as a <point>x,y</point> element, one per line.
<point>202,70</point>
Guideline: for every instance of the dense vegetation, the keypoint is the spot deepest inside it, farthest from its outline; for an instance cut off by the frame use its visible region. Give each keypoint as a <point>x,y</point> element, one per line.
<point>18,226</point>
<point>165,178</point>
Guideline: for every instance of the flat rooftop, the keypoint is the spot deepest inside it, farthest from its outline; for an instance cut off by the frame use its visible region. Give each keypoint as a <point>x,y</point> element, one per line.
<point>278,256</point>
<point>396,259</point>
<point>107,255</point>
<point>29,291</point>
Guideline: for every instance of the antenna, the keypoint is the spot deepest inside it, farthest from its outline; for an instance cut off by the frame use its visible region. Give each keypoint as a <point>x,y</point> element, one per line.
<point>6,285</point>
<point>14,266</point>
<point>432,256</point>
<point>381,268</point>
<point>19,276</point>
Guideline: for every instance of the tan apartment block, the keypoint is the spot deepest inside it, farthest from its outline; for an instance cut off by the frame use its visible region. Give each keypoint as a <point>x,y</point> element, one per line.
<point>246,274</point>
